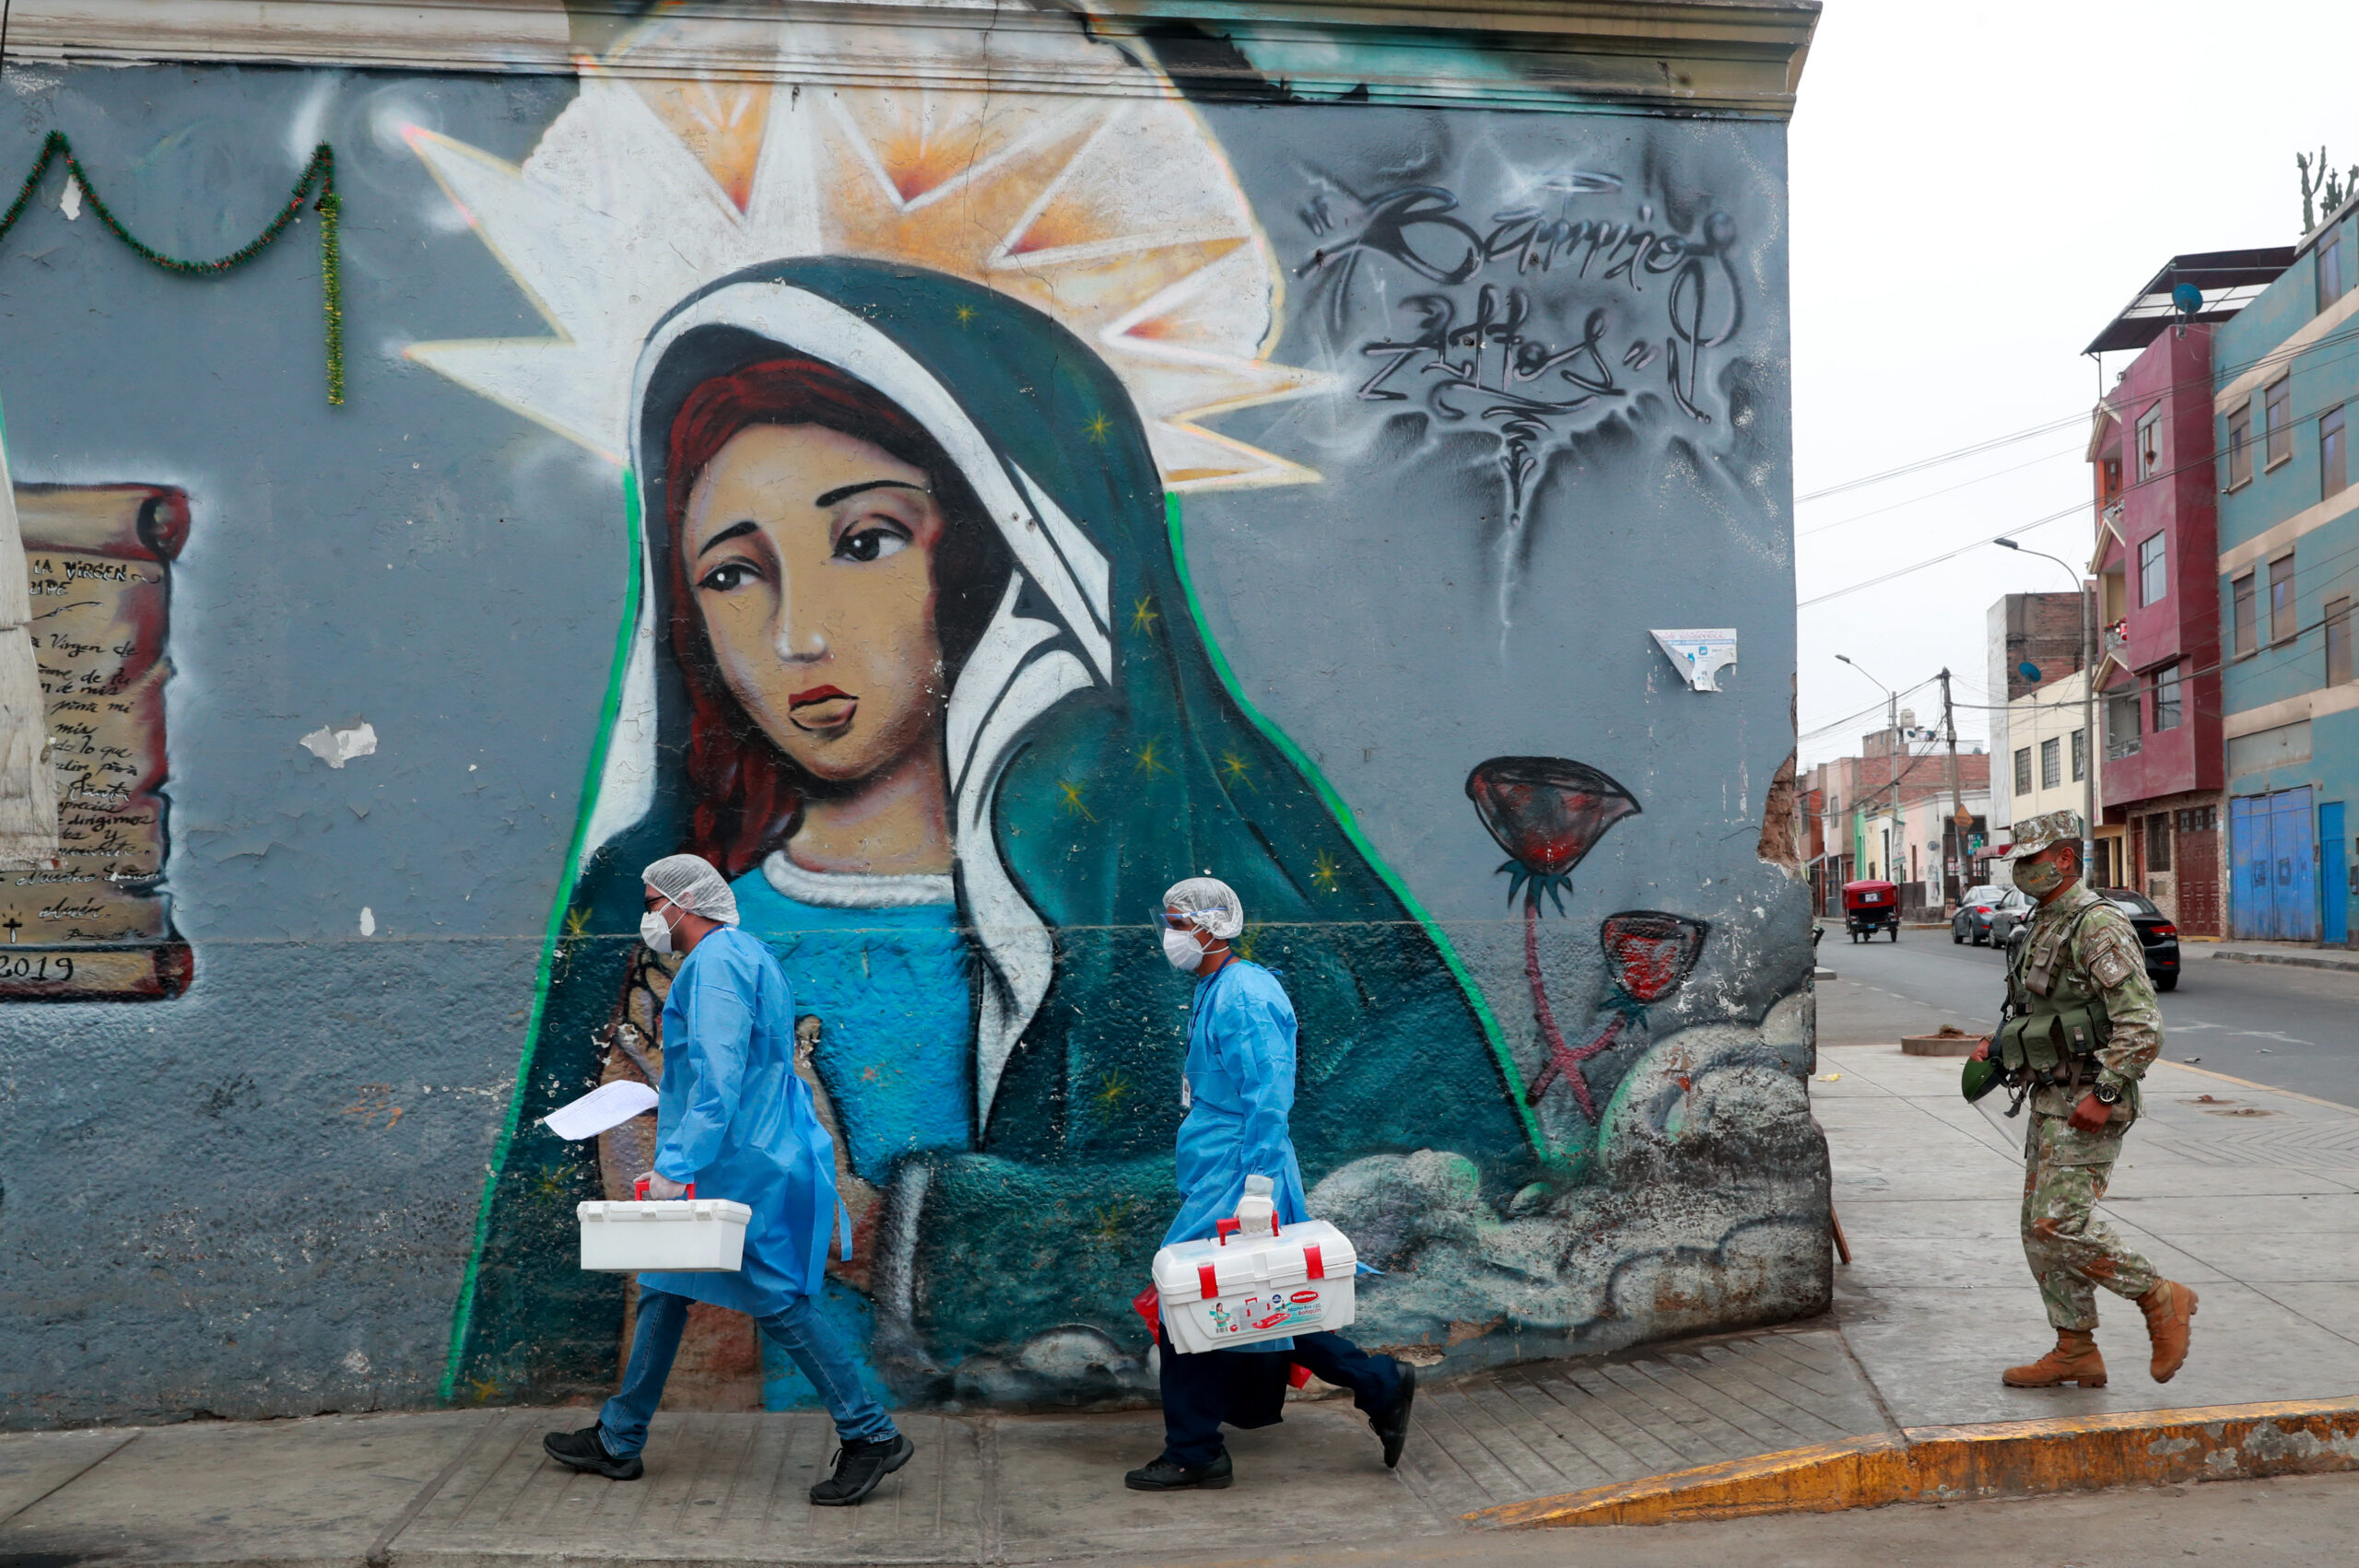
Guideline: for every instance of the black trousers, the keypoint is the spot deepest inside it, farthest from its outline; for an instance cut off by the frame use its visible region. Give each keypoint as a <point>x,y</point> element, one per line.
<point>1200,1392</point>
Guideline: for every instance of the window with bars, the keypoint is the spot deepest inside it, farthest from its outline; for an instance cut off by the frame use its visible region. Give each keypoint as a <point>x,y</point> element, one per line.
<point>2277,419</point>
<point>2079,755</point>
<point>2167,698</point>
<point>2023,770</point>
<point>2158,842</point>
<point>2240,446</point>
<point>2051,763</point>
<point>2152,577</point>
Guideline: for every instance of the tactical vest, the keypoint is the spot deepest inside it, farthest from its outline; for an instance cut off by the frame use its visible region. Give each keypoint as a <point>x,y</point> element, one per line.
<point>2049,1038</point>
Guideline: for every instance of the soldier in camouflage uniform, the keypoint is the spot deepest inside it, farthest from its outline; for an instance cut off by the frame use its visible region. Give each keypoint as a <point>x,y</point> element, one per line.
<point>2083,1027</point>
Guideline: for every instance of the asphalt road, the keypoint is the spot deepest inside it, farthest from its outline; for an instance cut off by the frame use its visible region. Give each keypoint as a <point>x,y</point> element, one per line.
<point>2269,1024</point>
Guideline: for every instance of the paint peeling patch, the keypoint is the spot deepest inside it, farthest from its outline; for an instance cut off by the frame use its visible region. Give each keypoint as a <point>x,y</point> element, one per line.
<point>2167,1446</point>
<point>70,201</point>
<point>367,920</point>
<point>337,747</point>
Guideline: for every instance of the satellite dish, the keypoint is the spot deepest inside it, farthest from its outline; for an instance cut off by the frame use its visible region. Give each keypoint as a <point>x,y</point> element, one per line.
<point>2028,671</point>
<point>2189,300</point>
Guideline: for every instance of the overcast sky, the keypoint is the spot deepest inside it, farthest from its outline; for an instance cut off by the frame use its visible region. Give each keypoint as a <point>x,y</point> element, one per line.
<point>1977,189</point>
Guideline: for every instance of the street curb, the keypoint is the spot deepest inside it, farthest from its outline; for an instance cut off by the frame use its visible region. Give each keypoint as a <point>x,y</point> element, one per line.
<point>1948,1464</point>
<point>2293,960</point>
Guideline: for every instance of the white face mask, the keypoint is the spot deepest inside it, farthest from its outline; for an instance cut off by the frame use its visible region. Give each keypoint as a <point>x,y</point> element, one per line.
<point>1180,951</point>
<point>655,931</point>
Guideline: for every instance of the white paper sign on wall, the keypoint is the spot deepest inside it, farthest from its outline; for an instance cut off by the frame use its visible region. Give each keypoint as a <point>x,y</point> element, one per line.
<point>1699,653</point>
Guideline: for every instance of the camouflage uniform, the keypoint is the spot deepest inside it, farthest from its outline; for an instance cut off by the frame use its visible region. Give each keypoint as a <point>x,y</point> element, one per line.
<point>2080,946</point>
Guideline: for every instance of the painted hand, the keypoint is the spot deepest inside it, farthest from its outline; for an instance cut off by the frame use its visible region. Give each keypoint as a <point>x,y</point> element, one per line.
<point>2091,1114</point>
<point>661,1186</point>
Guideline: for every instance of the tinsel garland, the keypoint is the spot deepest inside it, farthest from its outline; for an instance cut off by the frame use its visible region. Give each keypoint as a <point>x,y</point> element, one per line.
<point>318,174</point>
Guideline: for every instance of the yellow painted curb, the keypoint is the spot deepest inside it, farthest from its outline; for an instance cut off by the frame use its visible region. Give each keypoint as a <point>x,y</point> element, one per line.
<point>2016,1458</point>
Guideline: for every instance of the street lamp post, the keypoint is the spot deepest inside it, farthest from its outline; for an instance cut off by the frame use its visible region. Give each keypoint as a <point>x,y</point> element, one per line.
<point>2088,703</point>
<point>1891,752</point>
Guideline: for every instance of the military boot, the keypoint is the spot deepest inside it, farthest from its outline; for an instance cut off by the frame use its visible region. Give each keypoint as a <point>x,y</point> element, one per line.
<point>2170,1315</point>
<point>2075,1359</point>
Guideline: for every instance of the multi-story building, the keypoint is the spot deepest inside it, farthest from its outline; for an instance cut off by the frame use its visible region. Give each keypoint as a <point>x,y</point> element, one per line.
<point>1931,858</point>
<point>1859,836</point>
<point>2034,639</point>
<point>2046,765</point>
<point>2151,455</point>
<point>2285,387</point>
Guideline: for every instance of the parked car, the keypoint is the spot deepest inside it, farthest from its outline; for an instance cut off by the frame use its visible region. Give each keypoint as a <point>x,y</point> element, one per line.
<point>2008,916</point>
<point>2156,931</point>
<point>1972,922</point>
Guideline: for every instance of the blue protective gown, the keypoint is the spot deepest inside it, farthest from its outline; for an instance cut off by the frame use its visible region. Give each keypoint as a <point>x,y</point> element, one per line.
<point>1240,1078</point>
<point>731,1117</point>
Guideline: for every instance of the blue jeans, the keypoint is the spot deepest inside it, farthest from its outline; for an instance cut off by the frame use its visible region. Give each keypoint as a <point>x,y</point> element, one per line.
<point>796,1330</point>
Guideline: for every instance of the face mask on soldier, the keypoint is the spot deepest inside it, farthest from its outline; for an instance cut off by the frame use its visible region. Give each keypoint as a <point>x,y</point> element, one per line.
<point>2039,878</point>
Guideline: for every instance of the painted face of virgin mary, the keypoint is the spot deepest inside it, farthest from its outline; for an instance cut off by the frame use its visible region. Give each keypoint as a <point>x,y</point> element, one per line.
<point>810,555</point>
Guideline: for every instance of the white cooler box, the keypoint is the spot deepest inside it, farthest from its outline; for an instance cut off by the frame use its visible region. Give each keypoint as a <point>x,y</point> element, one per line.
<point>680,1235</point>
<point>1256,1281</point>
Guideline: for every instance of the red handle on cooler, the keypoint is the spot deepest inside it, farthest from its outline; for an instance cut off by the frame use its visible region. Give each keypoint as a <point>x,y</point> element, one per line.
<point>638,1189</point>
<point>1224,1229</point>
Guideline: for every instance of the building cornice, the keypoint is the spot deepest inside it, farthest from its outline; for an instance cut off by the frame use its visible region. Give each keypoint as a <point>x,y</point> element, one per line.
<point>1740,57</point>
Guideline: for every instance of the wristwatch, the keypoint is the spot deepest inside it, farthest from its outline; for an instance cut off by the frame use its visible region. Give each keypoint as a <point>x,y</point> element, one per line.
<point>2106,1093</point>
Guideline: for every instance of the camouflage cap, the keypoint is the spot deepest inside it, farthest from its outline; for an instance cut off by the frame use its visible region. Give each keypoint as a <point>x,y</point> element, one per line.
<point>2048,829</point>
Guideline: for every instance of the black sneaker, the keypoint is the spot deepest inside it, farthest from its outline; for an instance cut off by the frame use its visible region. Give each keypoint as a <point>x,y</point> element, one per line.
<point>585,1450</point>
<point>859,1467</point>
<point>1392,1422</point>
<point>1164,1475</point>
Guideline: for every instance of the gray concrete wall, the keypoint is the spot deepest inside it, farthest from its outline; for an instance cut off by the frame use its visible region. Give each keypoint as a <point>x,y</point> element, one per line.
<point>269,1195</point>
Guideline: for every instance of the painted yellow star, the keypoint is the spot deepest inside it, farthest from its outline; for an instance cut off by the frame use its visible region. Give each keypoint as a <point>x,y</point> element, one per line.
<point>1111,1222</point>
<point>483,1390</point>
<point>1238,770</point>
<point>1073,806</point>
<point>966,314</point>
<point>1322,872</point>
<point>1098,426</point>
<point>1143,614</point>
<point>1150,759</point>
<point>577,922</point>
<point>1112,1090</point>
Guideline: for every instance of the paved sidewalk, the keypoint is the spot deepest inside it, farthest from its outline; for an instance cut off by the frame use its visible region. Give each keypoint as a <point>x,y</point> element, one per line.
<point>2246,1194</point>
<point>2299,955</point>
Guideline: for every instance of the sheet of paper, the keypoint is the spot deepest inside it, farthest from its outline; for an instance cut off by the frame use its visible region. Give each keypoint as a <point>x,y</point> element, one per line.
<point>609,1104</point>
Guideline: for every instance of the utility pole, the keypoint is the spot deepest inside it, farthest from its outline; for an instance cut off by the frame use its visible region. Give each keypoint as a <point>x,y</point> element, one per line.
<point>1958,819</point>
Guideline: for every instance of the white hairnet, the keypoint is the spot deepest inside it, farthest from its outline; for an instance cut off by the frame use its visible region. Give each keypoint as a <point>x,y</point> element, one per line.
<point>1210,904</point>
<point>690,882</point>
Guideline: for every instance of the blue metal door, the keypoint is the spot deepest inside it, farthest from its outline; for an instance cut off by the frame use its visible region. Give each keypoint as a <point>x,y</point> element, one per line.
<point>2334,894</point>
<point>2293,878</point>
<point>2249,901</point>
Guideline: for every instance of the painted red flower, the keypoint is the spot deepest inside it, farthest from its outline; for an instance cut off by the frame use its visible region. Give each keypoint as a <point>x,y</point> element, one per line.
<point>1547,812</point>
<point>1650,952</point>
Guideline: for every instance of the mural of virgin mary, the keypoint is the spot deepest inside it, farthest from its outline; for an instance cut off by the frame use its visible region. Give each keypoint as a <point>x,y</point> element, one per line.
<point>913,656</point>
<point>888,521</point>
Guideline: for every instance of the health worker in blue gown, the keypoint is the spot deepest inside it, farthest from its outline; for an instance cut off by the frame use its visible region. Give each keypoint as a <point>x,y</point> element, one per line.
<point>1237,1092</point>
<point>733,1119</point>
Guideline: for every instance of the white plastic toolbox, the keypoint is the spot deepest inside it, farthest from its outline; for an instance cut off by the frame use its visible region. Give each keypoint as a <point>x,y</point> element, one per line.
<point>1256,1280</point>
<point>679,1235</point>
